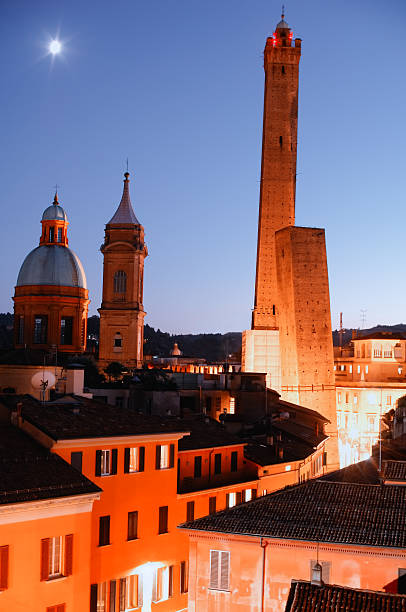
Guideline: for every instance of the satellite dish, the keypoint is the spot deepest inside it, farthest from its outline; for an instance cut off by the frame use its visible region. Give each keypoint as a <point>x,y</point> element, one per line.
<point>41,377</point>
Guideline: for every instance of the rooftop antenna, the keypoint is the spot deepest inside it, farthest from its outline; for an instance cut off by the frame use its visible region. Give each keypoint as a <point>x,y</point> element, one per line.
<point>283,11</point>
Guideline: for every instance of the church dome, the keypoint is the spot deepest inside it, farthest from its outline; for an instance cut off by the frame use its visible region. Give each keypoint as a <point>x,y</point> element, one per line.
<point>282,25</point>
<point>52,264</point>
<point>54,212</point>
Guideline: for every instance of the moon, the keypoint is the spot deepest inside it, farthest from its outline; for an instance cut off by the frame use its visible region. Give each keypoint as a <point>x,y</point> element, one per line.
<point>55,47</point>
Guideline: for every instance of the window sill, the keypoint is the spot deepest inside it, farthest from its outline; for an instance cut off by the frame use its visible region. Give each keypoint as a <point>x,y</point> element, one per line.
<point>104,545</point>
<point>163,533</point>
<point>221,590</point>
<point>132,539</point>
<point>56,578</point>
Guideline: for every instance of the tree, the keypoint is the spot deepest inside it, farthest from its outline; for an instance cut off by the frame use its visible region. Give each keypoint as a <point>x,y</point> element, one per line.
<point>115,370</point>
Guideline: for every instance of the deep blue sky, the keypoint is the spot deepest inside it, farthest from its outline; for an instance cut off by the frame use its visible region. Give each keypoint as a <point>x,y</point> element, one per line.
<point>177,87</point>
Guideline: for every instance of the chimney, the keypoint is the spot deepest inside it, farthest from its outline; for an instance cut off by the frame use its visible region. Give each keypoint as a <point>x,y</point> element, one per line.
<point>354,334</point>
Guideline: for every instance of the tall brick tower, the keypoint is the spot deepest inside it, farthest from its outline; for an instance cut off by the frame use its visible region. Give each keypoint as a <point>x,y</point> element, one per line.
<point>278,167</point>
<point>121,312</point>
<point>277,196</point>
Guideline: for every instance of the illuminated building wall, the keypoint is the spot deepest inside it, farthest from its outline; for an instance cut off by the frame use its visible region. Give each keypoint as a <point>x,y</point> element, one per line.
<point>370,378</point>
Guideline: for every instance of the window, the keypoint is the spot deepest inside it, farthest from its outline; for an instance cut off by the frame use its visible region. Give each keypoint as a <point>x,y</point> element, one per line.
<point>170,581</point>
<point>184,571</point>
<point>217,463</point>
<point>212,505</point>
<point>198,467</point>
<point>231,500</point>
<point>366,369</point>
<point>20,330</point>
<point>370,423</point>
<point>102,597</point>
<point>163,519</point>
<point>40,329</point>
<point>60,234</point>
<point>234,461</point>
<point>399,369</point>
<point>247,495</point>
<point>134,459</point>
<point>346,398</point>
<point>280,140</point>
<point>232,405</point>
<point>132,528</point>
<point>190,511</point>
<point>134,591</point>
<point>325,569</point>
<point>355,399</point>
<point>120,282</point>
<point>339,397</point>
<point>4,552</point>
<point>219,570</point>
<point>58,608</point>
<point>350,368</point>
<point>51,234</point>
<point>118,341</point>
<point>165,456</point>
<point>359,369</point>
<point>56,557</point>
<point>104,530</point>
<point>76,460</point>
<point>106,462</point>
<point>66,330</point>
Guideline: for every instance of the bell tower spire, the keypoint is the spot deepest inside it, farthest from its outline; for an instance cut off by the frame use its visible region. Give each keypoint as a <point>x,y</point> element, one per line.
<point>121,311</point>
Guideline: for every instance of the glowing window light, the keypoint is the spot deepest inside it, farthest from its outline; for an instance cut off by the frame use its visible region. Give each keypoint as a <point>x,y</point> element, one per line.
<point>288,468</point>
<point>232,405</point>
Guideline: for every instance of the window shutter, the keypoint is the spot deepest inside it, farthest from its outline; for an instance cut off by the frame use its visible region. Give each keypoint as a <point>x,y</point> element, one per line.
<point>3,568</point>
<point>224,570</point>
<point>142,458</point>
<point>114,461</point>
<point>214,569</point>
<point>93,598</point>
<point>126,460</point>
<point>113,588</point>
<point>227,500</point>
<point>239,497</point>
<point>254,493</point>
<point>212,505</point>
<point>170,581</point>
<point>68,554</point>
<point>158,457</point>
<point>171,455</point>
<point>122,594</point>
<point>140,593</point>
<point>98,463</point>
<point>44,558</point>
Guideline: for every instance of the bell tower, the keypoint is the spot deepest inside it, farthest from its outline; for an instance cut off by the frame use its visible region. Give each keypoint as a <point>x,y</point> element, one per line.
<point>122,312</point>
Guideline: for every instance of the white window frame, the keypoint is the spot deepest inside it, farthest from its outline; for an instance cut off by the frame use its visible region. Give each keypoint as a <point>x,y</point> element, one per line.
<point>55,557</point>
<point>105,463</point>
<point>101,597</point>
<point>247,495</point>
<point>232,499</point>
<point>219,576</point>
<point>134,464</point>
<point>164,460</point>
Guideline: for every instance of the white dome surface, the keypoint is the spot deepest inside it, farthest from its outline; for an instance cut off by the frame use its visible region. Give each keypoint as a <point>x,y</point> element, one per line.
<point>52,265</point>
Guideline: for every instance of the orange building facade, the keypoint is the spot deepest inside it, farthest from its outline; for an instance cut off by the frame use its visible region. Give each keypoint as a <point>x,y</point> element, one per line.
<point>148,474</point>
<point>121,311</point>
<point>51,296</point>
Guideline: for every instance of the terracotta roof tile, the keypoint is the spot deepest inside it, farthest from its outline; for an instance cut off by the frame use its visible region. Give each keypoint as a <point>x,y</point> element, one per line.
<point>319,511</point>
<point>306,597</point>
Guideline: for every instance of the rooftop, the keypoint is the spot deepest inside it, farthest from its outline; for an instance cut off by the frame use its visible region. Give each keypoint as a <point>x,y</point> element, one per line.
<point>206,433</point>
<point>124,213</point>
<point>306,597</point>
<point>29,472</point>
<point>394,470</point>
<point>87,418</point>
<point>319,511</point>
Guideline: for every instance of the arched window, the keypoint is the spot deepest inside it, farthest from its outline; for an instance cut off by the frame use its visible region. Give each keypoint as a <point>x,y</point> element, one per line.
<point>120,282</point>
